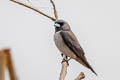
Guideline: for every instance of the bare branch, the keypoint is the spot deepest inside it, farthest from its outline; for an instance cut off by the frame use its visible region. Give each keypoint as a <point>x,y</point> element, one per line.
<point>25,5</point>
<point>63,71</point>
<point>54,8</point>
<point>6,62</point>
<point>64,68</point>
<point>3,65</point>
<point>81,76</point>
<point>11,68</point>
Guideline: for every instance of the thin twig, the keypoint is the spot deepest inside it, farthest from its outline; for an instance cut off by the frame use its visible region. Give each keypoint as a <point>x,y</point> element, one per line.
<point>25,5</point>
<point>30,3</point>
<point>54,8</point>
<point>63,70</point>
<point>81,76</point>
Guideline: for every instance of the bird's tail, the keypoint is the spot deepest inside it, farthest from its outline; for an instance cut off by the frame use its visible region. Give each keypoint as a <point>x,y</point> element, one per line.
<point>86,64</point>
<point>92,69</point>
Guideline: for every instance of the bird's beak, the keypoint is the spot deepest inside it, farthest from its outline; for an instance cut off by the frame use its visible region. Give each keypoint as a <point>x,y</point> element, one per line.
<point>57,25</point>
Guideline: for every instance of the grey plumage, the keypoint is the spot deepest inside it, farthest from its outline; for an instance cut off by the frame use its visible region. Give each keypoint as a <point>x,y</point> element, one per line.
<point>68,44</point>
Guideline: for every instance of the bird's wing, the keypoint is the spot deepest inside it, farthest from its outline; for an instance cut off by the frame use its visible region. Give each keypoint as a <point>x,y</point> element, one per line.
<point>71,41</point>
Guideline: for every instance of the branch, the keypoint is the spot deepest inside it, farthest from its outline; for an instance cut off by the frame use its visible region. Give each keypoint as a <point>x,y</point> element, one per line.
<point>6,62</point>
<point>3,64</point>
<point>63,70</point>
<point>81,76</point>
<point>54,8</point>
<point>25,5</point>
<point>11,69</point>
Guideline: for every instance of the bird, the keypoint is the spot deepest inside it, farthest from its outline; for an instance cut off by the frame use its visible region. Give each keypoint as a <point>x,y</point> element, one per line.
<point>68,44</point>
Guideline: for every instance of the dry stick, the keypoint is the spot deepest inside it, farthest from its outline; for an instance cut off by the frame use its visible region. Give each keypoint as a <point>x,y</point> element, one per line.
<point>81,76</point>
<point>11,69</point>
<point>63,70</point>
<point>25,5</point>
<point>55,11</point>
<point>3,64</point>
<point>6,61</point>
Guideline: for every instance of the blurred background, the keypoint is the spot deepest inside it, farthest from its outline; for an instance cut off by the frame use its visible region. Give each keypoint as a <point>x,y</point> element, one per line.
<point>96,23</point>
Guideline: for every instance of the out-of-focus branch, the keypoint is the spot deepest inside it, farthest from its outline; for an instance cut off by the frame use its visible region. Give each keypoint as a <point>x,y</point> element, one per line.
<point>10,64</point>
<point>3,64</point>
<point>6,62</point>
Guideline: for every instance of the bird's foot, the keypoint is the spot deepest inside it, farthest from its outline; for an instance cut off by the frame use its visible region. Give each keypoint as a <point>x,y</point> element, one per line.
<point>65,60</point>
<point>69,59</point>
<point>62,54</point>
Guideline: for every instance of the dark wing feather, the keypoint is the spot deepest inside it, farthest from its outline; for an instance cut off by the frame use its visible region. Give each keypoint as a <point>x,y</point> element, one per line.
<point>73,44</point>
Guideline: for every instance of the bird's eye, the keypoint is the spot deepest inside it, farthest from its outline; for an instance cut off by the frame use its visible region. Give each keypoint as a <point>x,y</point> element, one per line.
<point>57,25</point>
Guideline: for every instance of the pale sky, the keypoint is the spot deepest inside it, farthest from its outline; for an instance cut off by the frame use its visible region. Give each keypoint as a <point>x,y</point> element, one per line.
<point>96,23</point>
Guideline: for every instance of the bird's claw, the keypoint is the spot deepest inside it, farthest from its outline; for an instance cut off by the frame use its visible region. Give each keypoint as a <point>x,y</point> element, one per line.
<point>62,54</point>
<point>65,60</point>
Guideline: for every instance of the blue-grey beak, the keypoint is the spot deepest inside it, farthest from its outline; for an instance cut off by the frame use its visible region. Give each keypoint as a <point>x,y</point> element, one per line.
<point>57,25</point>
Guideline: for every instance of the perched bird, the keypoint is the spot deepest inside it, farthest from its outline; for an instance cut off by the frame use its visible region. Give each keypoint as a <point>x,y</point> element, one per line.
<point>68,44</point>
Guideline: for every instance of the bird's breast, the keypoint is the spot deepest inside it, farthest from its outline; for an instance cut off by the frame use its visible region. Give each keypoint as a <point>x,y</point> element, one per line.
<point>63,48</point>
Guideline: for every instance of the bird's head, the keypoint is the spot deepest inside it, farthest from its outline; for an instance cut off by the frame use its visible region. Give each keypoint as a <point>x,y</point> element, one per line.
<point>61,25</point>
